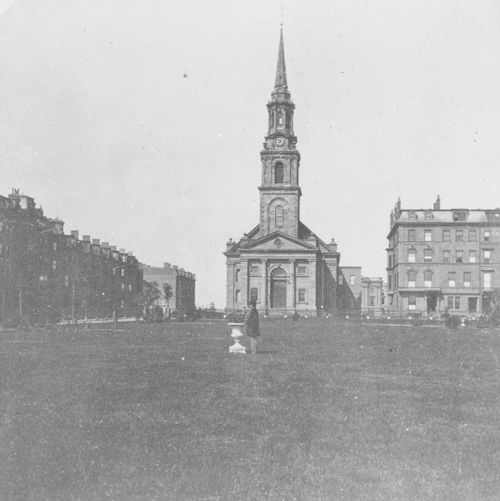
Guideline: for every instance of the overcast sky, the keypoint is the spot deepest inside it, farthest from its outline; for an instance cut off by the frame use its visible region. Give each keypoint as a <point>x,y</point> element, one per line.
<point>141,122</point>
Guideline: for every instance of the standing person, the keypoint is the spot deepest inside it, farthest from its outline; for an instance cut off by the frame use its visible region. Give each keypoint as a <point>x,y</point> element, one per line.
<point>252,323</point>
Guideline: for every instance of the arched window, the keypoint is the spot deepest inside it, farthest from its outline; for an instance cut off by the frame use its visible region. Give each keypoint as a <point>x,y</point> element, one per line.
<point>237,296</point>
<point>236,275</point>
<point>278,173</point>
<point>278,216</point>
<point>271,119</point>
<point>280,117</point>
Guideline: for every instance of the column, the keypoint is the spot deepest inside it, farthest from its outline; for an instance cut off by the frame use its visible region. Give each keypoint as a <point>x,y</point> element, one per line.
<point>291,297</point>
<point>263,299</point>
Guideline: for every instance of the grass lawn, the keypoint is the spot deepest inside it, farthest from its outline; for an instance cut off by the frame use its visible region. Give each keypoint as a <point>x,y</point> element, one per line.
<point>325,412</point>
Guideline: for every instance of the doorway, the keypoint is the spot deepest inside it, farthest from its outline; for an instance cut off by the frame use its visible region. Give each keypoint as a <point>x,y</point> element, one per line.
<point>278,288</point>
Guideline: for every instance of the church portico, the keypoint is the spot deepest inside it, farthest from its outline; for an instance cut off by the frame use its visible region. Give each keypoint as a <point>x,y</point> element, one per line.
<point>281,264</point>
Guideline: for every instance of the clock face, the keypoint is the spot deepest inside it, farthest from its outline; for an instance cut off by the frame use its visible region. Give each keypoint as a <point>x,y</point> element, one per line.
<point>280,141</point>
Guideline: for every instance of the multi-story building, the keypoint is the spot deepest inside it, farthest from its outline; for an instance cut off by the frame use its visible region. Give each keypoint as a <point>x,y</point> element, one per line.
<point>45,274</point>
<point>443,259</point>
<point>182,287</point>
<point>373,296</point>
<point>281,264</point>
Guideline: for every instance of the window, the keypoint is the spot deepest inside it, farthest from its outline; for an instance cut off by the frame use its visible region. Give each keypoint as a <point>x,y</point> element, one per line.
<point>301,296</point>
<point>341,279</point>
<point>278,173</point>
<point>487,280</point>
<point>254,269</point>
<point>487,235</point>
<point>412,302</point>
<point>237,275</point>
<point>372,301</point>
<point>122,303</point>
<point>122,286</point>
<point>301,270</point>
<point>428,255</point>
<point>411,255</point>
<point>412,278</point>
<point>390,261</point>
<point>278,215</point>
<point>428,235</point>
<point>446,256</point>
<point>237,296</point>
<point>54,246</point>
<point>353,280</point>
<point>54,265</point>
<point>428,216</point>
<point>457,302</point>
<point>390,282</point>
<point>451,279</point>
<point>459,216</point>
<point>450,302</point>
<point>472,256</point>
<point>459,236</point>
<point>271,119</point>
<point>459,256</point>
<point>467,278</point>
<point>487,256</point>
<point>254,294</point>
<point>66,280</point>
<point>427,278</point>
<point>1,225</point>
<point>411,235</point>
<point>446,236</point>
<point>280,117</point>
<point>412,216</point>
<point>472,235</point>
<point>122,272</point>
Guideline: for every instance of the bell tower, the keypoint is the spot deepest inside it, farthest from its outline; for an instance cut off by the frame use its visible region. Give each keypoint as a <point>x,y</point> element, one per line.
<point>280,191</point>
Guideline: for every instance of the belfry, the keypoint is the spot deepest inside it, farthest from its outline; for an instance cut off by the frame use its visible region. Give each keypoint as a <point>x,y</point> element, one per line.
<point>281,264</point>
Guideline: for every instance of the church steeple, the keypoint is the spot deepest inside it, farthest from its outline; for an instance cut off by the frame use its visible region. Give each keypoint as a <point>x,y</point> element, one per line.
<point>280,191</point>
<point>281,83</point>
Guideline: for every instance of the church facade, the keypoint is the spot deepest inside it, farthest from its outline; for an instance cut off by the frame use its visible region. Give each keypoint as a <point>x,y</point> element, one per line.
<point>281,263</point>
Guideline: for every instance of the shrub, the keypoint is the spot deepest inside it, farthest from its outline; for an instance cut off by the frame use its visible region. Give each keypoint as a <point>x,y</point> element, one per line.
<point>452,321</point>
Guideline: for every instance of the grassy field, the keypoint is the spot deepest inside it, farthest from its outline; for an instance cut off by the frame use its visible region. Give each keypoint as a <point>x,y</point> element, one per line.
<point>324,412</point>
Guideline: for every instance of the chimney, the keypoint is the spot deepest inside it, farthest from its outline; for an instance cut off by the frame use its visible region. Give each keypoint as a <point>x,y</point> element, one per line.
<point>166,265</point>
<point>122,251</point>
<point>95,241</point>
<point>105,244</point>
<point>86,238</point>
<point>437,205</point>
<point>113,247</point>
<point>74,234</point>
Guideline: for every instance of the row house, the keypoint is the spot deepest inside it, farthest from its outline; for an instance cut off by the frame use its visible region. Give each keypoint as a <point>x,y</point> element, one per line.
<point>182,287</point>
<point>47,274</point>
<point>443,259</point>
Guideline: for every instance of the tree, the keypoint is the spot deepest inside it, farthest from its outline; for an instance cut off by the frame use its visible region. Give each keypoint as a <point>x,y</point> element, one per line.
<point>167,293</point>
<point>145,301</point>
<point>494,308</point>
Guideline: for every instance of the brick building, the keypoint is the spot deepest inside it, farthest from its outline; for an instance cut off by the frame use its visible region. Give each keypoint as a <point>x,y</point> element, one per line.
<point>443,259</point>
<point>281,263</point>
<point>182,283</point>
<point>45,273</point>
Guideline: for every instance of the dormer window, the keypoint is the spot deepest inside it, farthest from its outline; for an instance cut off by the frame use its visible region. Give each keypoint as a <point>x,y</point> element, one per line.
<point>459,216</point>
<point>279,173</point>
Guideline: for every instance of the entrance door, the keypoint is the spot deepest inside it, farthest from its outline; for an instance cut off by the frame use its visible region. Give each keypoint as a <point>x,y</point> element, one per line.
<point>472,304</point>
<point>278,288</point>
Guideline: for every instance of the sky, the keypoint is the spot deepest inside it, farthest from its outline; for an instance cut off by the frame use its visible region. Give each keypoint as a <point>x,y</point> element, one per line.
<point>141,122</point>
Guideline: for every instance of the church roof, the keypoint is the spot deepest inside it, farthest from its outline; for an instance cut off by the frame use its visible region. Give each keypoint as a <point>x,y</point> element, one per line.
<point>305,235</point>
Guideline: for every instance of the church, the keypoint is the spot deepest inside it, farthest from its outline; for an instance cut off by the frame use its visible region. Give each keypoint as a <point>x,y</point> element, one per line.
<point>281,264</point>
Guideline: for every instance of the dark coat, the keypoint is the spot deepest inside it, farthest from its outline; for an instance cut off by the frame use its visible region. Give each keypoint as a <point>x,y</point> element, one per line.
<point>252,323</point>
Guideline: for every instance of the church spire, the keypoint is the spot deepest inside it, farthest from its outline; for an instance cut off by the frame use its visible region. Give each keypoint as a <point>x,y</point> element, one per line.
<point>281,68</point>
